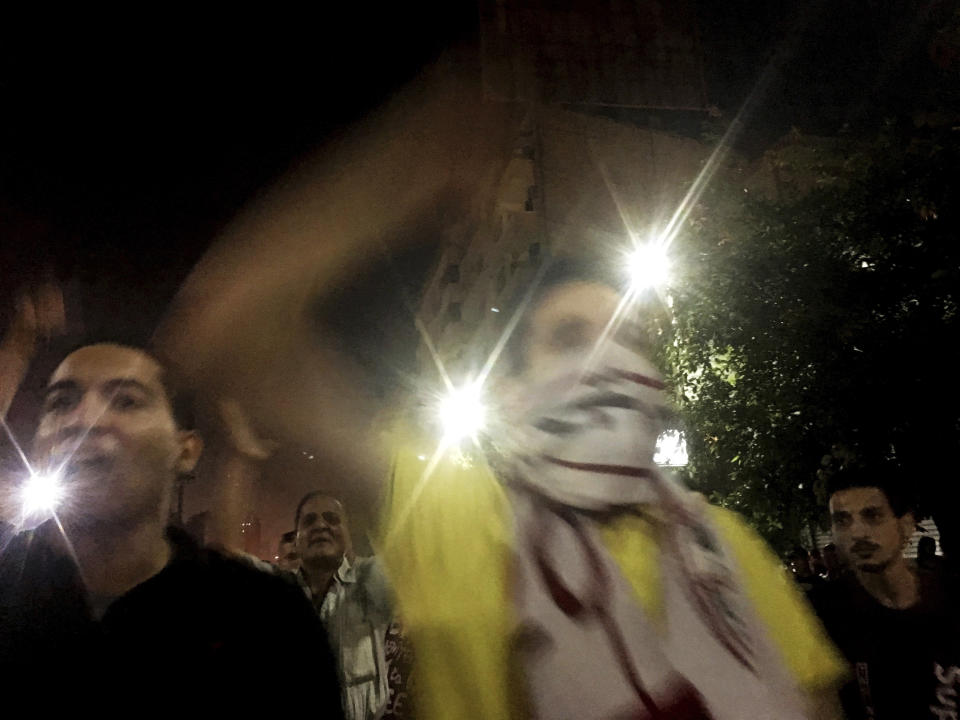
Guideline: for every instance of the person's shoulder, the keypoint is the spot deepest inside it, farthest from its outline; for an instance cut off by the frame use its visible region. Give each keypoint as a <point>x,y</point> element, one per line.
<point>780,605</point>
<point>837,601</point>
<point>21,552</point>
<point>734,529</point>
<point>248,570</point>
<point>364,566</point>
<point>229,570</point>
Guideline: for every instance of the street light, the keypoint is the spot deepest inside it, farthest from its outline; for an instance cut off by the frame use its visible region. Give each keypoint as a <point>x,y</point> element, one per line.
<point>462,413</point>
<point>41,493</point>
<point>671,449</point>
<point>648,265</point>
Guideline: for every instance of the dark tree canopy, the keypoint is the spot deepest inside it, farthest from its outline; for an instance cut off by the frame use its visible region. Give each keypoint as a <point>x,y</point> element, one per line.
<point>823,325</point>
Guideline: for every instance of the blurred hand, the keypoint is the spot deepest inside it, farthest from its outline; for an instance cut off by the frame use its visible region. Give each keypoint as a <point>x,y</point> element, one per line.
<point>40,315</point>
<point>241,433</point>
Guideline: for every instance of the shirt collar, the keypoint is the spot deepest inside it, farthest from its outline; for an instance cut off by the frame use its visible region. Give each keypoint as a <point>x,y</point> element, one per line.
<point>345,573</point>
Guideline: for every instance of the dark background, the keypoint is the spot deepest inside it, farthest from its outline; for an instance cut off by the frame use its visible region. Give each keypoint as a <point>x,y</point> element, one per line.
<point>127,143</point>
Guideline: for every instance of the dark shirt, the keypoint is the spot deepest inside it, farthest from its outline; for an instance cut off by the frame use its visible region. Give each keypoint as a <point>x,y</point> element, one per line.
<point>905,664</point>
<point>206,628</point>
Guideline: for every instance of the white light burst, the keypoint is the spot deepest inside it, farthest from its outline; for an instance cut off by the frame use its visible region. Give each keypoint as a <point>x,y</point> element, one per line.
<point>41,493</point>
<point>648,266</point>
<point>462,413</point>
<point>671,449</point>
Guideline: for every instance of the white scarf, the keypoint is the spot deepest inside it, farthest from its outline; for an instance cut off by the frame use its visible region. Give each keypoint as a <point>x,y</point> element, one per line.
<point>581,446</point>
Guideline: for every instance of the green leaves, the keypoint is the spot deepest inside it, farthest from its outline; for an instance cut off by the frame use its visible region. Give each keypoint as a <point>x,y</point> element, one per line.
<point>826,317</point>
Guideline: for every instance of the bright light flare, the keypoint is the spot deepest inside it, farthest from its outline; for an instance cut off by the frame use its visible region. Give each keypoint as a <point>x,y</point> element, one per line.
<point>41,493</point>
<point>462,413</point>
<point>648,266</point>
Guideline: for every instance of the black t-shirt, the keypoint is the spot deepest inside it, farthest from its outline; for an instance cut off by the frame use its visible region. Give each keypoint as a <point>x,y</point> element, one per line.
<point>208,628</point>
<point>905,664</point>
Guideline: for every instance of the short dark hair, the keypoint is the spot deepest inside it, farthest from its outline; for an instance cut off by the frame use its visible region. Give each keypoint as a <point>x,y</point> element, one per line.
<point>798,553</point>
<point>885,477</point>
<point>307,498</point>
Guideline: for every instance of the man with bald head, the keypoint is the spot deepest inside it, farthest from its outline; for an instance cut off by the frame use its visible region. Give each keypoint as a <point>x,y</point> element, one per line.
<point>105,595</point>
<point>353,600</point>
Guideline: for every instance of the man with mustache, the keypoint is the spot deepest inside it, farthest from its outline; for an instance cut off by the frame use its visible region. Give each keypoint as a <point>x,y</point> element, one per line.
<point>352,598</point>
<point>892,620</point>
<point>105,598</point>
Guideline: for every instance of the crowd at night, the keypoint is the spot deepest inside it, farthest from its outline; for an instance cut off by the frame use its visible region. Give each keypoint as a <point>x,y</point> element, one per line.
<point>486,359</point>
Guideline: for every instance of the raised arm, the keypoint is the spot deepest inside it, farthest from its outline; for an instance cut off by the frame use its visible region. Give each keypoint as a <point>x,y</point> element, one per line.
<point>39,316</point>
<point>241,325</point>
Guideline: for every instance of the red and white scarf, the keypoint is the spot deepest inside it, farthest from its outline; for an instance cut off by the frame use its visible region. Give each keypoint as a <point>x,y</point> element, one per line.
<point>581,449</point>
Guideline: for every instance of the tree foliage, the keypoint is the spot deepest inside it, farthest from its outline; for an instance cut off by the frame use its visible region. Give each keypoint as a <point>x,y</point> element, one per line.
<point>822,322</point>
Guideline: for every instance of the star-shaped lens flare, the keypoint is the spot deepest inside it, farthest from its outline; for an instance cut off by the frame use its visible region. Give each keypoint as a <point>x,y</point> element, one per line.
<point>462,413</point>
<point>41,493</point>
<point>648,266</point>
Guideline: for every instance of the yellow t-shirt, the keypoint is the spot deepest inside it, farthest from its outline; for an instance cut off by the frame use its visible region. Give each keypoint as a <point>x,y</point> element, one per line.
<point>446,547</point>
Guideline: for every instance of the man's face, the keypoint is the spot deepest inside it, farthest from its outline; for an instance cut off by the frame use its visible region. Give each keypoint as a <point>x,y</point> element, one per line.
<point>322,533</point>
<point>287,556</point>
<point>567,324</point>
<point>866,531</point>
<point>107,422</point>
<point>565,328</point>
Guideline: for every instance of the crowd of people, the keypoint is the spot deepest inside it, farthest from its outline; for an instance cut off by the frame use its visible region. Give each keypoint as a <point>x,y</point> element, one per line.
<point>552,571</point>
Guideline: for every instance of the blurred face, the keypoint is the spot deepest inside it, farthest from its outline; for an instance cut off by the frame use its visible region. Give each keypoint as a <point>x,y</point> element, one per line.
<point>321,533</point>
<point>865,530</point>
<point>108,423</point>
<point>567,323</point>
<point>287,556</point>
<point>564,330</point>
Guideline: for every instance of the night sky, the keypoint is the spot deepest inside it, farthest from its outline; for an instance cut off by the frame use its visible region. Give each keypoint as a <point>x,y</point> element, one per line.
<point>123,151</point>
<point>126,145</point>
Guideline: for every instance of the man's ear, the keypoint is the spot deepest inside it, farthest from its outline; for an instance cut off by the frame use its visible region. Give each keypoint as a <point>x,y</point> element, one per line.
<point>191,446</point>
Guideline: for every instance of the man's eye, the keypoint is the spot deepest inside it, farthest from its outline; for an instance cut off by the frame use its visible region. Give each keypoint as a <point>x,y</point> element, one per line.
<point>571,334</point>
<point>841,520</point>
<point>59,403</point>
<point>122,401</point>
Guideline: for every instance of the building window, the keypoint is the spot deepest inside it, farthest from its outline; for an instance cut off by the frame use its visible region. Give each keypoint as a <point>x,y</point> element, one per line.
<point>501,280</point>
<point>452,275</point>
<point>453,312</point>
<point>534,251</point>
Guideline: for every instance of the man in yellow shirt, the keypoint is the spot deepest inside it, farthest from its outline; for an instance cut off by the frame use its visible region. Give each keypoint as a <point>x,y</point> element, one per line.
<point>546,589</point>
<point>579,581</point>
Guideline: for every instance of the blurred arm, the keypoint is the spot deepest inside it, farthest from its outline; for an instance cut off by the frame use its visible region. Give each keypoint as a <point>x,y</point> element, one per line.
<point>38,316</point>
<point>242,324</point>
